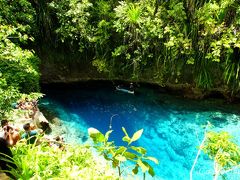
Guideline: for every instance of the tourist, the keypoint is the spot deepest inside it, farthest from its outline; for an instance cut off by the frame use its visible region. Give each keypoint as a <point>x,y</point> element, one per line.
<point>58,143</point>
<point>10,134</point>
<point>131,87</point>
<point>30,135</point>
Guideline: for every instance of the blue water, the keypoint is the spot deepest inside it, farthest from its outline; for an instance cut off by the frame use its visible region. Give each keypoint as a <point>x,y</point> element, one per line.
<point>173,127</point>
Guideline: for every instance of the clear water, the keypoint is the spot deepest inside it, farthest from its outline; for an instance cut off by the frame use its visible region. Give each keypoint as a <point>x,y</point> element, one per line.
<point>173,127</point>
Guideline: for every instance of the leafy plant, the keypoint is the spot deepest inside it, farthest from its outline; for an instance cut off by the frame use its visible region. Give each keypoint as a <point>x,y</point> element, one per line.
<point>224,152</point>
<point>121,154</point>
<point>8,95</point>
<point>46,162</point>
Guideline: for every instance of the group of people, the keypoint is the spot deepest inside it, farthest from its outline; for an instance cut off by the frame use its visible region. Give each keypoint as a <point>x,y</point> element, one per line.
<point>29,106</point>
<point>9,136</point>
<point>12,134</point>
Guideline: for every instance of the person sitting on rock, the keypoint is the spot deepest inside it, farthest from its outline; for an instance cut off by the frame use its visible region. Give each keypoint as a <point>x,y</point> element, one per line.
<point>30,135</point>
<point>10,133</point>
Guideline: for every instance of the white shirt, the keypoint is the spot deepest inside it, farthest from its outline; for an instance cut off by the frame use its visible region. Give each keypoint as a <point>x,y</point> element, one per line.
<point>2,134</point>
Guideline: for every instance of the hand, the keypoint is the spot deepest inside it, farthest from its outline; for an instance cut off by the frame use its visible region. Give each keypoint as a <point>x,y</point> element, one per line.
<point>5,128</point>
<point>10,131</point>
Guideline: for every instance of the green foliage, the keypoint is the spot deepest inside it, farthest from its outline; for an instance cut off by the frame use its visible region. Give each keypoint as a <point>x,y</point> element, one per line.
<point>73,17</point>
<point>220,148</point>
<point>224,152</point>
<point>8,95</point>
<point>100,64</point>
<point>121,154</point>
<point>170,39</point>
<point>19,14</point>
<point>45,162</point>
<point>18,66</point>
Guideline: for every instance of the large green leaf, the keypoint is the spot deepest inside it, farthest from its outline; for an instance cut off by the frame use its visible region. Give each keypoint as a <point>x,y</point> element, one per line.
<point>137,135</point>
<point>140,150</point>
<point>151,171</point>
<point>152,159</point>
<point>126,139</point>
<point>143,166</point>
<point>96,135</point>
<point>125,132</point>
<point>120,158</point>
<point>129,155</point>
<point>120,150</point>
<point>115,163</point>
<point>135,170</point>
<point>108,134</point>
<point>150,168</point>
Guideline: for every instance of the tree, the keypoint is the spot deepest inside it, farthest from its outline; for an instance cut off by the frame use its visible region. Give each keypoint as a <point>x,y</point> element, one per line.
<point>220,148</point>
<point>224,152</point>
<point>18,66</point>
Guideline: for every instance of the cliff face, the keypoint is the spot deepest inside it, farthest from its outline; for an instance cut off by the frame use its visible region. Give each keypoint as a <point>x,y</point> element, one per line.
<point>59,66</point>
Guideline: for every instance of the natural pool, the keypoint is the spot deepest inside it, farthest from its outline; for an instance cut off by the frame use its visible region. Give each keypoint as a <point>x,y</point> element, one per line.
<point>173,127</point>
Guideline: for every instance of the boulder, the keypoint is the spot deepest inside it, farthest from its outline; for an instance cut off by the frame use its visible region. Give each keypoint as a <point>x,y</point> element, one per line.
<point>40,121</point>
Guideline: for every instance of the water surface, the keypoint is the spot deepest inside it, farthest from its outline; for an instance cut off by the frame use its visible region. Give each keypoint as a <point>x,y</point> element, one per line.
<point>173,127</point>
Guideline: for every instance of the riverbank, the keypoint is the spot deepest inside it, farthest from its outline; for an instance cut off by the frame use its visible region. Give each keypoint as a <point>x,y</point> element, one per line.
<point>183,90</point>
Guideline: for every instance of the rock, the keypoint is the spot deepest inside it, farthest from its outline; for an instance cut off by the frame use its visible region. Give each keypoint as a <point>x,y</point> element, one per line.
<point>56,121</point>
<point>40,121</point>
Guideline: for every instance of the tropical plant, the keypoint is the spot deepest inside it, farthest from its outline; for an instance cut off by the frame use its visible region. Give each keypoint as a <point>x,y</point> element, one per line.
<point>161,41</point>
<point>122,154</point>
<point>221,149</point>
<point>18,66</point>
<point>8,95</point>
<point>224,152</point>
<point>46,162</point>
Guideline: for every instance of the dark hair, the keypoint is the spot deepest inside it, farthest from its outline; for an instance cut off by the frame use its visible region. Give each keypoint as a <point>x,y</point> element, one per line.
<point>8,128</point>
<point>26,126</point>
<point>58,138</point>
<point>4,122</point>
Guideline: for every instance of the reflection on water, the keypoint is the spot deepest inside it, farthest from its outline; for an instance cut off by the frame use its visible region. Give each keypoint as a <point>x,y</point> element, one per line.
<point>173,127</point>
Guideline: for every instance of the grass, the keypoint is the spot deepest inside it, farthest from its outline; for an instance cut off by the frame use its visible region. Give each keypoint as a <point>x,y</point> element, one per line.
<point>46,162</point>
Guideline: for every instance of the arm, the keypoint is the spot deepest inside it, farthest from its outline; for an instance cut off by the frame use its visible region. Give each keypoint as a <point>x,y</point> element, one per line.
<point>9,138</point>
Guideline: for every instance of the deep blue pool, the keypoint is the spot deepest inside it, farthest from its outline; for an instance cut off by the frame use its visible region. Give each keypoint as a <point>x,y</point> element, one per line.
<point>173,127</point>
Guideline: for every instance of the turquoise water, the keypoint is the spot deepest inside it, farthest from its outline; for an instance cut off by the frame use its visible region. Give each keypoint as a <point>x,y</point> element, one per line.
<point>173,127</point>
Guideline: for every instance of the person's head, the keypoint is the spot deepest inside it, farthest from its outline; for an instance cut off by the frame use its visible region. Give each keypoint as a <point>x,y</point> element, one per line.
<point>26,127</point>
<point>58,138</point>
<point>32,126</point>
<point>4,123</point>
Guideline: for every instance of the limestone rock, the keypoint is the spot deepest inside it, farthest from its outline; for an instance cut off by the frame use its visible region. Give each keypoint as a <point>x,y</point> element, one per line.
<point>40,121</point>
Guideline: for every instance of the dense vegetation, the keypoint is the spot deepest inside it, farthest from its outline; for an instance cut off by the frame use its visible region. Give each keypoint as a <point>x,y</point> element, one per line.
<point>164,41</point>
<point>18,66</point>
<point>45,162</point>
<point>174,41</point>
<point>194,42</point>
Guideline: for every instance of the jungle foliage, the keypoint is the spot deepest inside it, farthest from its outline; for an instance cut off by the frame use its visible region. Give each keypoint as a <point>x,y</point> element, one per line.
<point>18,65</point>
<point>223,151</point>
<point>175,41</point>
<point>46,162</point>
<point>187,41</point>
